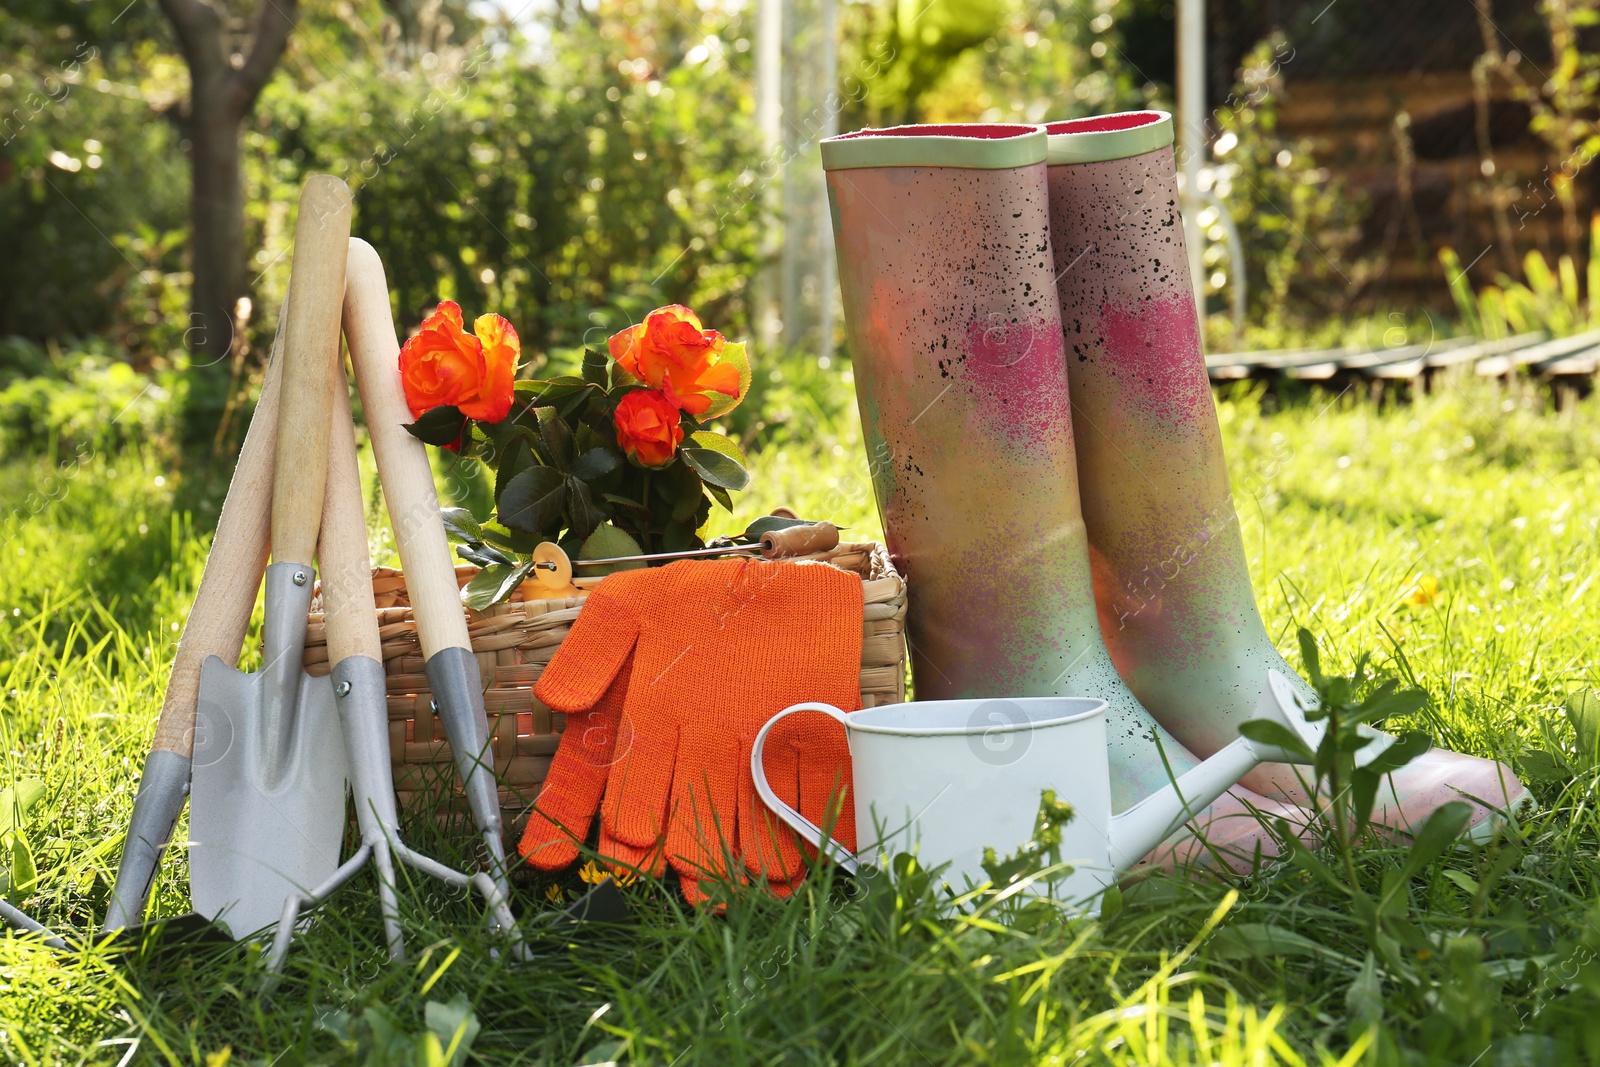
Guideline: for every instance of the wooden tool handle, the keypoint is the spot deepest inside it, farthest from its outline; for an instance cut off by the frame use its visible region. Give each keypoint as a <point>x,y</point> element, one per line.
<point>402,459</point>
<point>346,567</point>
<point>222,605</point>
<point>310,351</point>
<point>800,540</point>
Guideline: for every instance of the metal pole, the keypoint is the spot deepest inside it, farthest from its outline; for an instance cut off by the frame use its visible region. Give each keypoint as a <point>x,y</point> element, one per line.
<point>1193,138</point>
<point>827,274</point>
<point>769,124</point>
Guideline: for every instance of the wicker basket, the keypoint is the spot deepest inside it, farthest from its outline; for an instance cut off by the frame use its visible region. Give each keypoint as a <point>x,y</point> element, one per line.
<point>514,640</point>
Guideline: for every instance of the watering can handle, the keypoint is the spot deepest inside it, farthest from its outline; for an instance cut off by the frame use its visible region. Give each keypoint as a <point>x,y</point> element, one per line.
<point>758,773</point>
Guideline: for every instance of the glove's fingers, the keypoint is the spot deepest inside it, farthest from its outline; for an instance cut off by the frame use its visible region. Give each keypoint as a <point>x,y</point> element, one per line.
<point>639,787</point>
<point>784,888</point>
<point>651,860</point>
<point>691,890</point>
<point>703,835</point>
<point>771,848</point>
<point>825,778</point>
<point>594,650</point>
<point>570,795</point>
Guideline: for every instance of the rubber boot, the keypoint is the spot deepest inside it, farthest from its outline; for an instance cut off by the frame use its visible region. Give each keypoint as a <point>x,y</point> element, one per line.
<point>951,316</point>
<point>1172,584</point>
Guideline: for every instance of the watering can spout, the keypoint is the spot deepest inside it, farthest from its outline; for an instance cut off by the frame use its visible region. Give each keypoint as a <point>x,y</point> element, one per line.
<point>1139,829</point>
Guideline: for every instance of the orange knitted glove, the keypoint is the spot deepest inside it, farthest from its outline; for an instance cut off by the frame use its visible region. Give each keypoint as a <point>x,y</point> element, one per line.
<point>570,795</point>
<point>718,648</point>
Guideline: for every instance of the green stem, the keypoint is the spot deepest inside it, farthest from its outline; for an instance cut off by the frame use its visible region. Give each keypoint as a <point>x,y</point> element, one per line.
<point>650,517</point>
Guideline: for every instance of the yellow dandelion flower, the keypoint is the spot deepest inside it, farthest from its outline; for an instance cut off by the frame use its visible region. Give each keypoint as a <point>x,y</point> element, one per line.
<point>554,894</point>
<point>624,875</point>
<point>591,873</point>
<point>1422,591</point>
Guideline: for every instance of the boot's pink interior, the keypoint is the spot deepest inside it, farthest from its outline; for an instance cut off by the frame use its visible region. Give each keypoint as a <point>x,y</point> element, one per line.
<point>1105,123</point>
<point>986,130</point>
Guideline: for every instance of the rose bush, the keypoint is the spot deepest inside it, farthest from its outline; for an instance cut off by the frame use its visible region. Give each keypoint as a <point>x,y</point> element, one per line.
<point>611,462</point>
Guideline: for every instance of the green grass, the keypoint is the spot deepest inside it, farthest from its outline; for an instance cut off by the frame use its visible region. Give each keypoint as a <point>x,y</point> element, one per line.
<point>1486,956</point>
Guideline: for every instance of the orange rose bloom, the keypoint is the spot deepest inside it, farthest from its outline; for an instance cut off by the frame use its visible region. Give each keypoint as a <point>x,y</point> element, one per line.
<point>648,427</point>
<point>445,365</point>
<point>670,351</point>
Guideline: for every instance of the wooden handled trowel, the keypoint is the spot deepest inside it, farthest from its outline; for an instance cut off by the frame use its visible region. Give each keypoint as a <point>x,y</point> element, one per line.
<point>267,799</point>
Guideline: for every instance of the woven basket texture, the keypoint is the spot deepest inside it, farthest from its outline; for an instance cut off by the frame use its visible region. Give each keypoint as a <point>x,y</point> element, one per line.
<point>513,641</point>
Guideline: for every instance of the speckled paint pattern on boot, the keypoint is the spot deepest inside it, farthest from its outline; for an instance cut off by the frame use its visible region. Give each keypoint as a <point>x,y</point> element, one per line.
<point>951,314</point>
<point>1171,578</point>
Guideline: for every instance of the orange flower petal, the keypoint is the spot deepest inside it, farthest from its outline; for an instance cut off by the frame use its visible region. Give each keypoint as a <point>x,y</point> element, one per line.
<point>649,427</point>
<point>501,347</point>
<point>672,313</point>
<point>723,378</point>
<point>449,311</point>
<point>624,347</point>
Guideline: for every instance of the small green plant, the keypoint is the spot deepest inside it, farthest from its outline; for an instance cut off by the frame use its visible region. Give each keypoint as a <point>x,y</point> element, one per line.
<point>15,803</point>
<point>1547,301</point>
<point>377,1037</point>
<point>1352,706</point>
<point>1558,761</point>
<point>1346,786</point>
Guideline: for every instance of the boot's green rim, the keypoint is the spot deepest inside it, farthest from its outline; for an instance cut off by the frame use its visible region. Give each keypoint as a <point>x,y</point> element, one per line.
<point>1107,137</point>
<point>974,145</point>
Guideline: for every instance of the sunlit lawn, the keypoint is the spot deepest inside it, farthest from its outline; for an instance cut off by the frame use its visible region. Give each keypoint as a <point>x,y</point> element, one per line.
<point>1479,497</point>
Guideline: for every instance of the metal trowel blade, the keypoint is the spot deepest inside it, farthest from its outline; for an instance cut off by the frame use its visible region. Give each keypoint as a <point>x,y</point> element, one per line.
<point>267,801</point>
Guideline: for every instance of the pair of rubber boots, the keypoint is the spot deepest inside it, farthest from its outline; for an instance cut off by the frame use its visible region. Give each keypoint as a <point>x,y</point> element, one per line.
<point>1047,457</point>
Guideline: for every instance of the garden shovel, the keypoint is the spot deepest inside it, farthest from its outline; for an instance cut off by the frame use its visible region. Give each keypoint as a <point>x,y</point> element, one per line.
<point>216,627</point>
<point>268,795</point>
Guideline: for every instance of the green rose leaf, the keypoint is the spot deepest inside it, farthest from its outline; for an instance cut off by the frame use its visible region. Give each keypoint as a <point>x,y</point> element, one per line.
<point>733,354</point>
<point>627,504</point>
<point>459,525</point>
<point>567,393</point>
<point>772,523</point>
<point>533,500</point>
<point>718,442</point>
<point>621,379</point>
<point>493,584</point>
<point>581,508</point>
<point>518,458</point>
<point>595,463</point>
<point>607,542</point>
<point>557,438</point>
<point>681,490</point>
<point>510,540</point>
<point>441,426</point>
<point>716,468</point>
<point>595,367</point>
<point>483,555</point>
<point>720,495</point>
<point>679,536</point>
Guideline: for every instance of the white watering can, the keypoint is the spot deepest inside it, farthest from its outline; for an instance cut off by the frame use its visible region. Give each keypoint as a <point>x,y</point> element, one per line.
<point>944,779</point>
